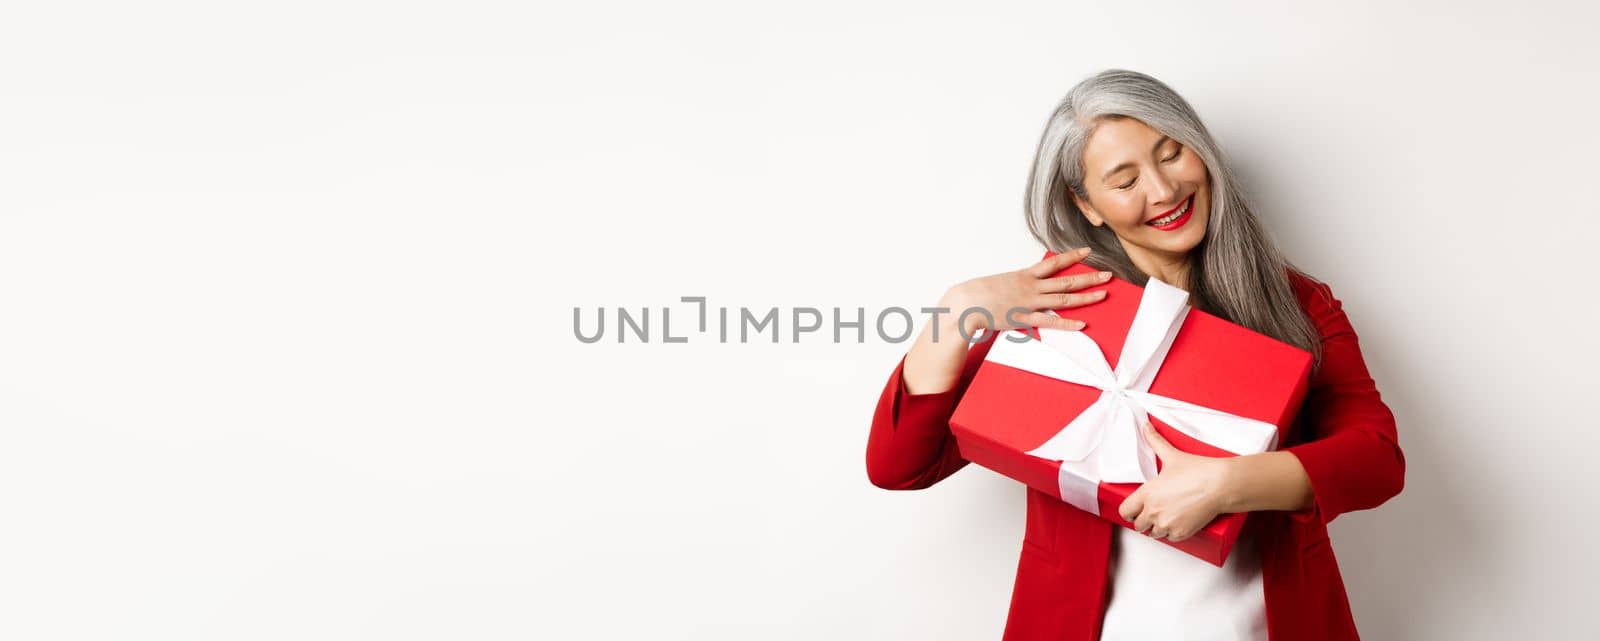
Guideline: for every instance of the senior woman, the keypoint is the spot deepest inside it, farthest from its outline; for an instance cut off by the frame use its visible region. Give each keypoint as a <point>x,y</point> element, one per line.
<point>1128,180</point>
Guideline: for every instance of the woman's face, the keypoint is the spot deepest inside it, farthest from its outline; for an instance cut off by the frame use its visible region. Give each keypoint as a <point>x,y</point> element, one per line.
<point>1135,177</point>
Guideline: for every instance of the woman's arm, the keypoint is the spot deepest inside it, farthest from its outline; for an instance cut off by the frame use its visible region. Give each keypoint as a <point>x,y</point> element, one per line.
<point>910,445</point>
<point>1192,490</point>
<point>1351,458</point>
<point>1266,481</point>
<point>935,360</point>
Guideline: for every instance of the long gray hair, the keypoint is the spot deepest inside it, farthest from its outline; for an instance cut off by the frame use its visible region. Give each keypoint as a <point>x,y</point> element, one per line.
<point>1236,271</point>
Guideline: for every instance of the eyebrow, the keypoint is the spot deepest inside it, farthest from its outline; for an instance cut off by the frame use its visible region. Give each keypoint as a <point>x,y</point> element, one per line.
<point>1126,165</point>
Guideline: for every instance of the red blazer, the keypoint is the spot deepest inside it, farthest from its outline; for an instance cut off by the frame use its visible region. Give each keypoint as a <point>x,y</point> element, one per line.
<point>1344,436</point>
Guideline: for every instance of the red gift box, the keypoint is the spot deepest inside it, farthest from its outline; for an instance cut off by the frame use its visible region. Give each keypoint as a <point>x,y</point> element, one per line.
<point>1234,387</point>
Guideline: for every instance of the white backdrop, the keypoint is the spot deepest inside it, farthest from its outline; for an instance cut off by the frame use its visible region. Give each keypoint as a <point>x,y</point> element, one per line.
<point>286,293</point>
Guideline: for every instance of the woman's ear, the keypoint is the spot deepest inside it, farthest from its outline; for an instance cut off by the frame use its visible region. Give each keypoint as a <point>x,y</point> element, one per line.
<point>1088,212</point>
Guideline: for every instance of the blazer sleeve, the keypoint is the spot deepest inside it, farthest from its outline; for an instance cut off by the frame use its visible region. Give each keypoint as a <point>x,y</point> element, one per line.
<point>910,446</point>
<point>1351,451</point>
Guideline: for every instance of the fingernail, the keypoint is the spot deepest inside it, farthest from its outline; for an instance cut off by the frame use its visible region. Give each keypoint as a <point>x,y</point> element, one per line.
<point>1105,275</point>
<point>1077,324</point>
<point>1083,251</point>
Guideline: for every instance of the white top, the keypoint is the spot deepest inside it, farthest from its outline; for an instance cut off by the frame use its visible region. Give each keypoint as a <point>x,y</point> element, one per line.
<point>1158,592</point>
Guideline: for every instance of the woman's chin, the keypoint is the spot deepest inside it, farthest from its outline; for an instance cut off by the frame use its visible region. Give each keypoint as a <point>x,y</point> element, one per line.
<point>1172,244</point>
<point>1178,241</point>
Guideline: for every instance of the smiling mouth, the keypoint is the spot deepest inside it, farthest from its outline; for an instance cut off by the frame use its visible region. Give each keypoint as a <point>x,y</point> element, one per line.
<point>1176,213</point>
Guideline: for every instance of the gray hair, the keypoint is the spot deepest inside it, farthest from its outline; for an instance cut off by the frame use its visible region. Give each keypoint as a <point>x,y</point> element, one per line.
<point>1236,272</point>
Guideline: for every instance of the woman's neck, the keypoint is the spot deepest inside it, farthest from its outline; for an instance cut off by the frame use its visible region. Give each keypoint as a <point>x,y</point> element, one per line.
<point>1172,269</point>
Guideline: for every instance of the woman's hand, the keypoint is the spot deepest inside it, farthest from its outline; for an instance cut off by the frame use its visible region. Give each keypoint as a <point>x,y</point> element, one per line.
<point>1189,492</point>
<point>1029,292</point>
<point>933,364</point>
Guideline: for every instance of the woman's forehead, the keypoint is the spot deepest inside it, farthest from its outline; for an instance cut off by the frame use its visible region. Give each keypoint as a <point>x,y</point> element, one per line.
<point>1119,143</point>
<point>1115,138</point>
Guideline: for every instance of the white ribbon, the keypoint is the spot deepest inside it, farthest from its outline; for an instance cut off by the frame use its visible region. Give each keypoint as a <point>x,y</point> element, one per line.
<point>1104,443</point>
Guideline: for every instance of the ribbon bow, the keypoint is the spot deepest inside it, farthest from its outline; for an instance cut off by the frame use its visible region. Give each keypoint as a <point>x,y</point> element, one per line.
<point>1103,443</point>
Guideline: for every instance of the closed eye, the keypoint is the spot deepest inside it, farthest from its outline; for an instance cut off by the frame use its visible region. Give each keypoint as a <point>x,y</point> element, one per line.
<point>1175,154</point>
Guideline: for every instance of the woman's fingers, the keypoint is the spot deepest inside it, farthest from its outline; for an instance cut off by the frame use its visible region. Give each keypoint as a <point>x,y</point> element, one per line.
<point>1056,263</point>
<point>1163,448</point>
<point>1069,299</point>
<point>1132,506</point>
<point>1146,521</point>
<point>1052,321</point>
<point>1143,521</point>
<point>1073,282</point>
<point>1173,532</point>
<point>1032,288</point>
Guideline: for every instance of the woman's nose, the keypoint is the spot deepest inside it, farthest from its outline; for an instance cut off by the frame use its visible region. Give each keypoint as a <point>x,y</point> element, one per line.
<point>1161,190</point>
